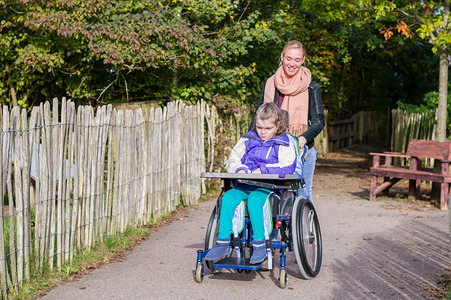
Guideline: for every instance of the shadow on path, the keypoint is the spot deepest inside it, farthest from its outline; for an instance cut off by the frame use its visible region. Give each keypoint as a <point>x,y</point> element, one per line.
<point>389,264</point>
<point>400,261</point>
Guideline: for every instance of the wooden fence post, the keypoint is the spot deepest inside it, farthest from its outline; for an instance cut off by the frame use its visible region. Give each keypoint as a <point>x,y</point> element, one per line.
<point>93,174</point>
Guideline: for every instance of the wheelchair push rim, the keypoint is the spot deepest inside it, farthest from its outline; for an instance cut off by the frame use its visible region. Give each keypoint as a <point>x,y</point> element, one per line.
<point>210,238</point>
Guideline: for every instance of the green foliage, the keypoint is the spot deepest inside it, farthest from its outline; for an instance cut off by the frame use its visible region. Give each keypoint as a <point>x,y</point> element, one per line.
<point>429,105</point>
<point>99,52</point>
<point>412,108</point>
<point>431,99</point>
<point>103,51</point>
<point>430,20</point>
<point>213,190</point>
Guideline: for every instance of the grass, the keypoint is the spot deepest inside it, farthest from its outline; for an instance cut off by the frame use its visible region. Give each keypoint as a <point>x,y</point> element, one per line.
<point>109,250</point>
<point>448,294</point>
<point>213,191</point>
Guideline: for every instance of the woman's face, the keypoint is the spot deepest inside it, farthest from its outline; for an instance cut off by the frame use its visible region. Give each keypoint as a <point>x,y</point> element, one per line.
<point>266,129</point>
<point>292,61</point>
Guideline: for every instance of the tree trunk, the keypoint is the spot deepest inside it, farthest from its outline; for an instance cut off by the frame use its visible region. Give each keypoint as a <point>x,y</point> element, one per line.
<point>442,95</point>
<point>442,107</point>
<point>442,104</point>
<point>441,117</point>
<point>12,90</point>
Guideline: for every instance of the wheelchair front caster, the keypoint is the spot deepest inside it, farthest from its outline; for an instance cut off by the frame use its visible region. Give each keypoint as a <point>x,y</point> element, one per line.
<point>283,278</point>
<point>199,275</point>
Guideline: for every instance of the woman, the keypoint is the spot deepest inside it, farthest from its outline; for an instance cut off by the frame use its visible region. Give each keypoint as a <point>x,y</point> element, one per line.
<point>292,89</point>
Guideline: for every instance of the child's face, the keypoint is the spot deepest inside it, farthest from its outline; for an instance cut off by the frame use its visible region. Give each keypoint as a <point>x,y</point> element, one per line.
<point>266,129</point>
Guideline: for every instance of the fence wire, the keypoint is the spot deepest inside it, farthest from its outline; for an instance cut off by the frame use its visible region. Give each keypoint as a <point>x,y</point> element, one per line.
<point>69,178</point>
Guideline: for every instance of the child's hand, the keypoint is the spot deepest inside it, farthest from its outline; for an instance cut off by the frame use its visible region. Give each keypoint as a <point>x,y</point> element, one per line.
<point>241,171</point>
<point>258,171</point>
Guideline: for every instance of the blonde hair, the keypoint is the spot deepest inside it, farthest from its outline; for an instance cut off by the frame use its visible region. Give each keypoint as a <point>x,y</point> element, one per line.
<point>271,111</point>
<point>293,44</point>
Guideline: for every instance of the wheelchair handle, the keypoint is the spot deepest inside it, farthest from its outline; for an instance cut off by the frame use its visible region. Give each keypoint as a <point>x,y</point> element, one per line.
<point>304,153</point>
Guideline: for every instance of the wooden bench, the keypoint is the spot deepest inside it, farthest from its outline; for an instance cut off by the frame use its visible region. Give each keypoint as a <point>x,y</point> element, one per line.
<point>414,172</point>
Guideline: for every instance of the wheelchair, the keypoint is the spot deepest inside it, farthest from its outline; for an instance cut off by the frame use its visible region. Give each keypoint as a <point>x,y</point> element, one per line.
<point>295,228</point>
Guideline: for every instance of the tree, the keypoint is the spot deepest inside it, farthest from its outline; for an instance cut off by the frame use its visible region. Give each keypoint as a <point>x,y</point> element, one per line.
<point>221,51</point>
<point>357,68</point>
<point>123,50</point>
<point>323,27</point>
<point>430,19</point>
<point>21,50</point>
<point>104,51</point>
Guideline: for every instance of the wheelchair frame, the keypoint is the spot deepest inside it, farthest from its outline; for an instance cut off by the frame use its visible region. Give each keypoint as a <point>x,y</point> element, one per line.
<point>304,238</point>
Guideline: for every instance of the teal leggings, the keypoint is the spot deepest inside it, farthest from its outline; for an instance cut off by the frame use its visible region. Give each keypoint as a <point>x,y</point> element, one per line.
<point>256,201</point>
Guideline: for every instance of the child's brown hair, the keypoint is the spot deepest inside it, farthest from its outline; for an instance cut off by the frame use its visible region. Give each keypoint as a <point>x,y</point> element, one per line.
<point>272,111</point>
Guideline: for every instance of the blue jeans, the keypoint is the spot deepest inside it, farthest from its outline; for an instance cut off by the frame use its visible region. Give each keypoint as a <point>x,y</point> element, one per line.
<point>309,169</point>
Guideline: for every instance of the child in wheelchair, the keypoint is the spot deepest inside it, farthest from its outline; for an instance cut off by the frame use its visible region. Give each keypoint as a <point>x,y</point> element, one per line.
<point>267,149</point>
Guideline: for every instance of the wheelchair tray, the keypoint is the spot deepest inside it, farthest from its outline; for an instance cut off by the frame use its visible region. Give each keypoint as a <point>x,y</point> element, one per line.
<point>289,181</point>
<point>249,176</point>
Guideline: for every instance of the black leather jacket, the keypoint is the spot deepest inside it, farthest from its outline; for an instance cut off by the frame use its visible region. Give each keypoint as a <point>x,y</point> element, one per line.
<point>315,113</point>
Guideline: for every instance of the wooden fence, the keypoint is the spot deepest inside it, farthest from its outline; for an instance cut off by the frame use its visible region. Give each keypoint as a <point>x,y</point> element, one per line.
<point>341,134</point>
<point>367,126</point>
<point>71,177</point>
<point>363,127</point>
<point>408,126</point>
<point>322,139</point>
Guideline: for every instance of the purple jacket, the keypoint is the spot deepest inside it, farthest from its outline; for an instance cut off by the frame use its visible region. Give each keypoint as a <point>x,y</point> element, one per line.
<point>276,156</point>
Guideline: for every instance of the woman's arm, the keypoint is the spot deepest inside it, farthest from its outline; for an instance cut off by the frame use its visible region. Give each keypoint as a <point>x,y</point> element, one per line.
<point>316,114</point>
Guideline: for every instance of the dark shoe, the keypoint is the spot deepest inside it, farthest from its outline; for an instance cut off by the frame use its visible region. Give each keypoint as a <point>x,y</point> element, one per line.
<point>259,253</point>
<point>221,248</point>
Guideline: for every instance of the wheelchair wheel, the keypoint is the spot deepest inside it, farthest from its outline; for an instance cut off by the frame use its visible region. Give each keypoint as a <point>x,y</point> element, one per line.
<point>211,236</point>
<point>307,241</point>
<point>283,278</point>
<point>199,275</point>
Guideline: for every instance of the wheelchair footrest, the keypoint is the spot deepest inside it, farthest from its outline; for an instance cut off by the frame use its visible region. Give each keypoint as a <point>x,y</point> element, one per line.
<point>236,263</point>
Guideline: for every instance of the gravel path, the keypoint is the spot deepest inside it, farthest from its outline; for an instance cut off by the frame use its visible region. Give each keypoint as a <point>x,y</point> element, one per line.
<point>388,249</point>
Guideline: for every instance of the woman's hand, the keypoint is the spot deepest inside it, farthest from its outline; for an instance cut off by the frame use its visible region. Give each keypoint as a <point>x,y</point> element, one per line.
<point>258,171</point>
<point>302,142</point>
<point>241,171</point>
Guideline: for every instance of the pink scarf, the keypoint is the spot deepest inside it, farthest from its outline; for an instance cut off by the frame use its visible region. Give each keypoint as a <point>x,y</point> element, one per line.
<point>295,101</point>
